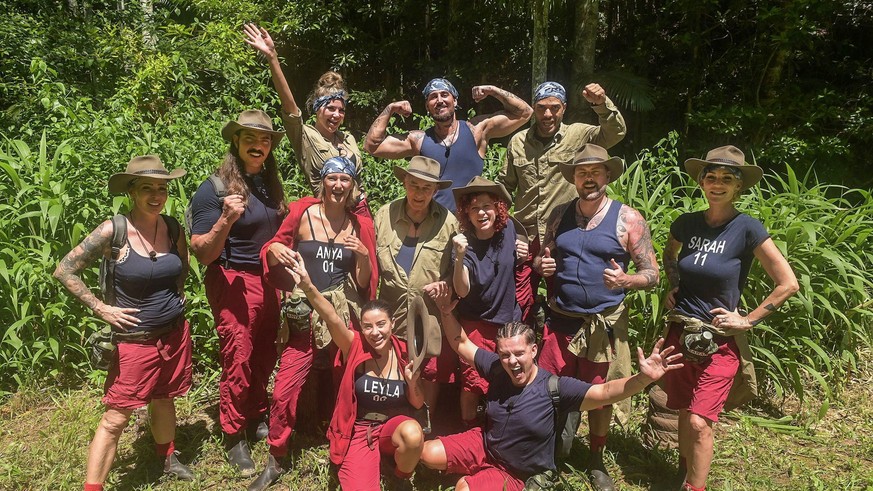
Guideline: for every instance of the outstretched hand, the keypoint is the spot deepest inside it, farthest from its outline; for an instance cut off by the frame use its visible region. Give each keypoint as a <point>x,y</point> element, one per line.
<point>658,363</point>
<point>297,270</point>
<point>259,38</point>
<point>444,301</point>
<point>409,375</point>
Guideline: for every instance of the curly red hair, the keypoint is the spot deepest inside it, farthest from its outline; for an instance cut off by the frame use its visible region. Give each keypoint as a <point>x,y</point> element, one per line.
<point>501,209</point>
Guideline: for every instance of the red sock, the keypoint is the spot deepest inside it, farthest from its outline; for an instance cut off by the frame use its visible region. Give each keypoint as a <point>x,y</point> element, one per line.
<point>689,487</point>
<point>165,449</point>
<point>278,452</point>
<point>596,442</point>
<point>401,474</point>
<point>93,487</point>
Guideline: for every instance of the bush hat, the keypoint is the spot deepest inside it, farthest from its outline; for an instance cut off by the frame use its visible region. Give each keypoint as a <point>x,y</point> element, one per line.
<point>592,154</point>
<point>252,119</point>
<point>479,184</point>
<point>726,156</point>
<point>424,168</point>
<point>142,166</point>
<point>423,333</point>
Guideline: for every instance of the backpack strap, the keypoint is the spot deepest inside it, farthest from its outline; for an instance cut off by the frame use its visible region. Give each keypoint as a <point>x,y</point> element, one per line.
<point>555,395</point>
<point>218,184</point>
<point>174,229</point>
<point>119,237</point>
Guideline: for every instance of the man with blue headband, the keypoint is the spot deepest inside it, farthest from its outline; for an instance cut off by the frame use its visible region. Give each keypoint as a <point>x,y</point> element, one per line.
<point>459,146</point>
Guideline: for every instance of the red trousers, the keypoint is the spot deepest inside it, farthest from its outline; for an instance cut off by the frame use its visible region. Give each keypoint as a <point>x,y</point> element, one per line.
<point>246,312</point>
<point>294,367</point>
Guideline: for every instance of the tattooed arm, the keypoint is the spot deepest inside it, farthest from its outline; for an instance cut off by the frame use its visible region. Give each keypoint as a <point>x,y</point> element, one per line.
<point>633,232</point>
<point>415,392</point>
<point>95,245</point>
<point>452,329</point>
<point>380,144</point>
<point>671,267</point>
<point>515,113</point>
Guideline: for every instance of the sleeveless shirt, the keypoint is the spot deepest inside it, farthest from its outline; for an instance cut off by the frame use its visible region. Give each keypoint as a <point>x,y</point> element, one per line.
<point>459,162</point>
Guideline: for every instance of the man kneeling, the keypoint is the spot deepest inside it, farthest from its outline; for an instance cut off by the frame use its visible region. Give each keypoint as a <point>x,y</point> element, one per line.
<point>518,440</point>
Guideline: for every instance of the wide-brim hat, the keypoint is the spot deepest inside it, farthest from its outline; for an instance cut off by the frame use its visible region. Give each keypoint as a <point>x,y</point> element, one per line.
<point>424,168</point>
<point>592,154</point>
<point>252,119</point>
<point>727,156</point>
<point>479,184</point>
<point>423,333</point>
<point>142,166</point>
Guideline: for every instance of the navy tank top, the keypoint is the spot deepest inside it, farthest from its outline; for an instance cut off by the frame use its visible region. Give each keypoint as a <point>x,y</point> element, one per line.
<point>459,162</point>
<point>581,257</point>
<point>328,263</point>
<point>149,286</point>
<point>380,395</point>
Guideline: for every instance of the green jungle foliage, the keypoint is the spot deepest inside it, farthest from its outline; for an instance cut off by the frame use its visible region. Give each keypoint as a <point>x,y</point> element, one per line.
<point>87,85</point>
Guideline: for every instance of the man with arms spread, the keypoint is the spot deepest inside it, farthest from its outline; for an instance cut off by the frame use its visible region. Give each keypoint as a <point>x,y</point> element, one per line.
<point>593,239</point>
<point>518,440</point>
<point>531,171</point>
<point>459,146</point>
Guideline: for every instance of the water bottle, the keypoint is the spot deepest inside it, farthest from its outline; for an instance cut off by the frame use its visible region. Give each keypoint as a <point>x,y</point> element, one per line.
<point>699,346</point>
<point>297,312</point>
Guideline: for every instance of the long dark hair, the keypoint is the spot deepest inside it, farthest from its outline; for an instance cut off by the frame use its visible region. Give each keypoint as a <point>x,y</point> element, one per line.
<point>231,172</point>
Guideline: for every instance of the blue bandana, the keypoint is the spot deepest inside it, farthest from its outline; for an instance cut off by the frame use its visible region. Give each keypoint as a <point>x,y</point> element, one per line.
<point>439,84</point>
<point>550,89</point>
<point>339,165</point>
<point>325,100</point>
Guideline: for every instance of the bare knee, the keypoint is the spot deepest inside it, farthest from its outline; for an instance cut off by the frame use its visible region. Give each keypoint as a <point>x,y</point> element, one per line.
<point>462,485</point>
<point>114,421</point>
<point>408,435</point>
<point>700,426</point>
<point>433,456</point>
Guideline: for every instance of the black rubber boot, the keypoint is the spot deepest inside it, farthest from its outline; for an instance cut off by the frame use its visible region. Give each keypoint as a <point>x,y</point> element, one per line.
<point>172,467</point>
<point>239,455</point>
<point>257,431</point>
<point>268,476</point>
<point>600,479</point>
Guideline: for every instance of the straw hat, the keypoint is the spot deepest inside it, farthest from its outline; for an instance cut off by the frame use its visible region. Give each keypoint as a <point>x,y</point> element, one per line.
<point>424,168</point>
<point>727,156</point>
<point>252,119</point>
<point>143,166</point>
<point>592,154</point>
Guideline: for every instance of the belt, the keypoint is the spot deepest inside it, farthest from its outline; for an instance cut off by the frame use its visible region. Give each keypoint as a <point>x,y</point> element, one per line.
<point>149,334</point>
<point>251,268</point>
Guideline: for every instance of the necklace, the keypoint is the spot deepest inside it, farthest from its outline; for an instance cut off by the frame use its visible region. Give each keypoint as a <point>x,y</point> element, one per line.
<point>153,255</point>
<point>448,144</point>
<point>380,370</point>
<point>415,224</point>
<point>338,144</point>
<point>330,240</point>
<point>586,220</point>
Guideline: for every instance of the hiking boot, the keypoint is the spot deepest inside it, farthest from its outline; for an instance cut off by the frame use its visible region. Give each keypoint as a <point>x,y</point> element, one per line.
<point>172,467</point>
<point>240,457</point>
<point>600,479</point>
<point>268,476</point>
<point>257,431</point>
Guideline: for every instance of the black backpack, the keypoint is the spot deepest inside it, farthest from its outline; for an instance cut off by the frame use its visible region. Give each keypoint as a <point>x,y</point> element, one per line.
<point>220,192</point>
<point>119,237</point>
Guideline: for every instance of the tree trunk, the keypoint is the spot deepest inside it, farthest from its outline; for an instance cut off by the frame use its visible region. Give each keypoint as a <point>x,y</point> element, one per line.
<point>148,34</point>
<point>584,43</point>
<point>540,44</point>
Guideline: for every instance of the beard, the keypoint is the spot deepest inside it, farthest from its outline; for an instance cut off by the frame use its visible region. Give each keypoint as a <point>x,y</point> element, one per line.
<point>440,117</point>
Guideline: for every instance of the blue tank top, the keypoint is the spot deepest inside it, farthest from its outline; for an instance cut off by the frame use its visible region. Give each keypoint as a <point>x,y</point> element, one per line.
<point>149,286</point>
<point>459,162</point>
<point>328,263</point>
<point>380,395</point>
<point>581,257</point>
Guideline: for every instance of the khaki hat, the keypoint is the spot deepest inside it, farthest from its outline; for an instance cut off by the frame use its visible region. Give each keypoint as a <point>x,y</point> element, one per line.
<point>479,184</point>
<point>143,166</point>
<point>424,168</point>
<point>423,333</point>
<point>593,154</point>
<point>727,156</point>
<point>252,119</point>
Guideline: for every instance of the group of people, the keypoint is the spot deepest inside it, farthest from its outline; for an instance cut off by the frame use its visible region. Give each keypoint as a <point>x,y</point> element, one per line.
<point>322,277</point>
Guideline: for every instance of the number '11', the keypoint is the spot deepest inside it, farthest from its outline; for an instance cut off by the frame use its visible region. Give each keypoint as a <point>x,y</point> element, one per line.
<point>702,258</point>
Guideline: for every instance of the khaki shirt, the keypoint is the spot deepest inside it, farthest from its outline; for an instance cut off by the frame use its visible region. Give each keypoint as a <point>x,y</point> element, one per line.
<point>312,149</point>
<point>531,170</point>
<point>432,260</point>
